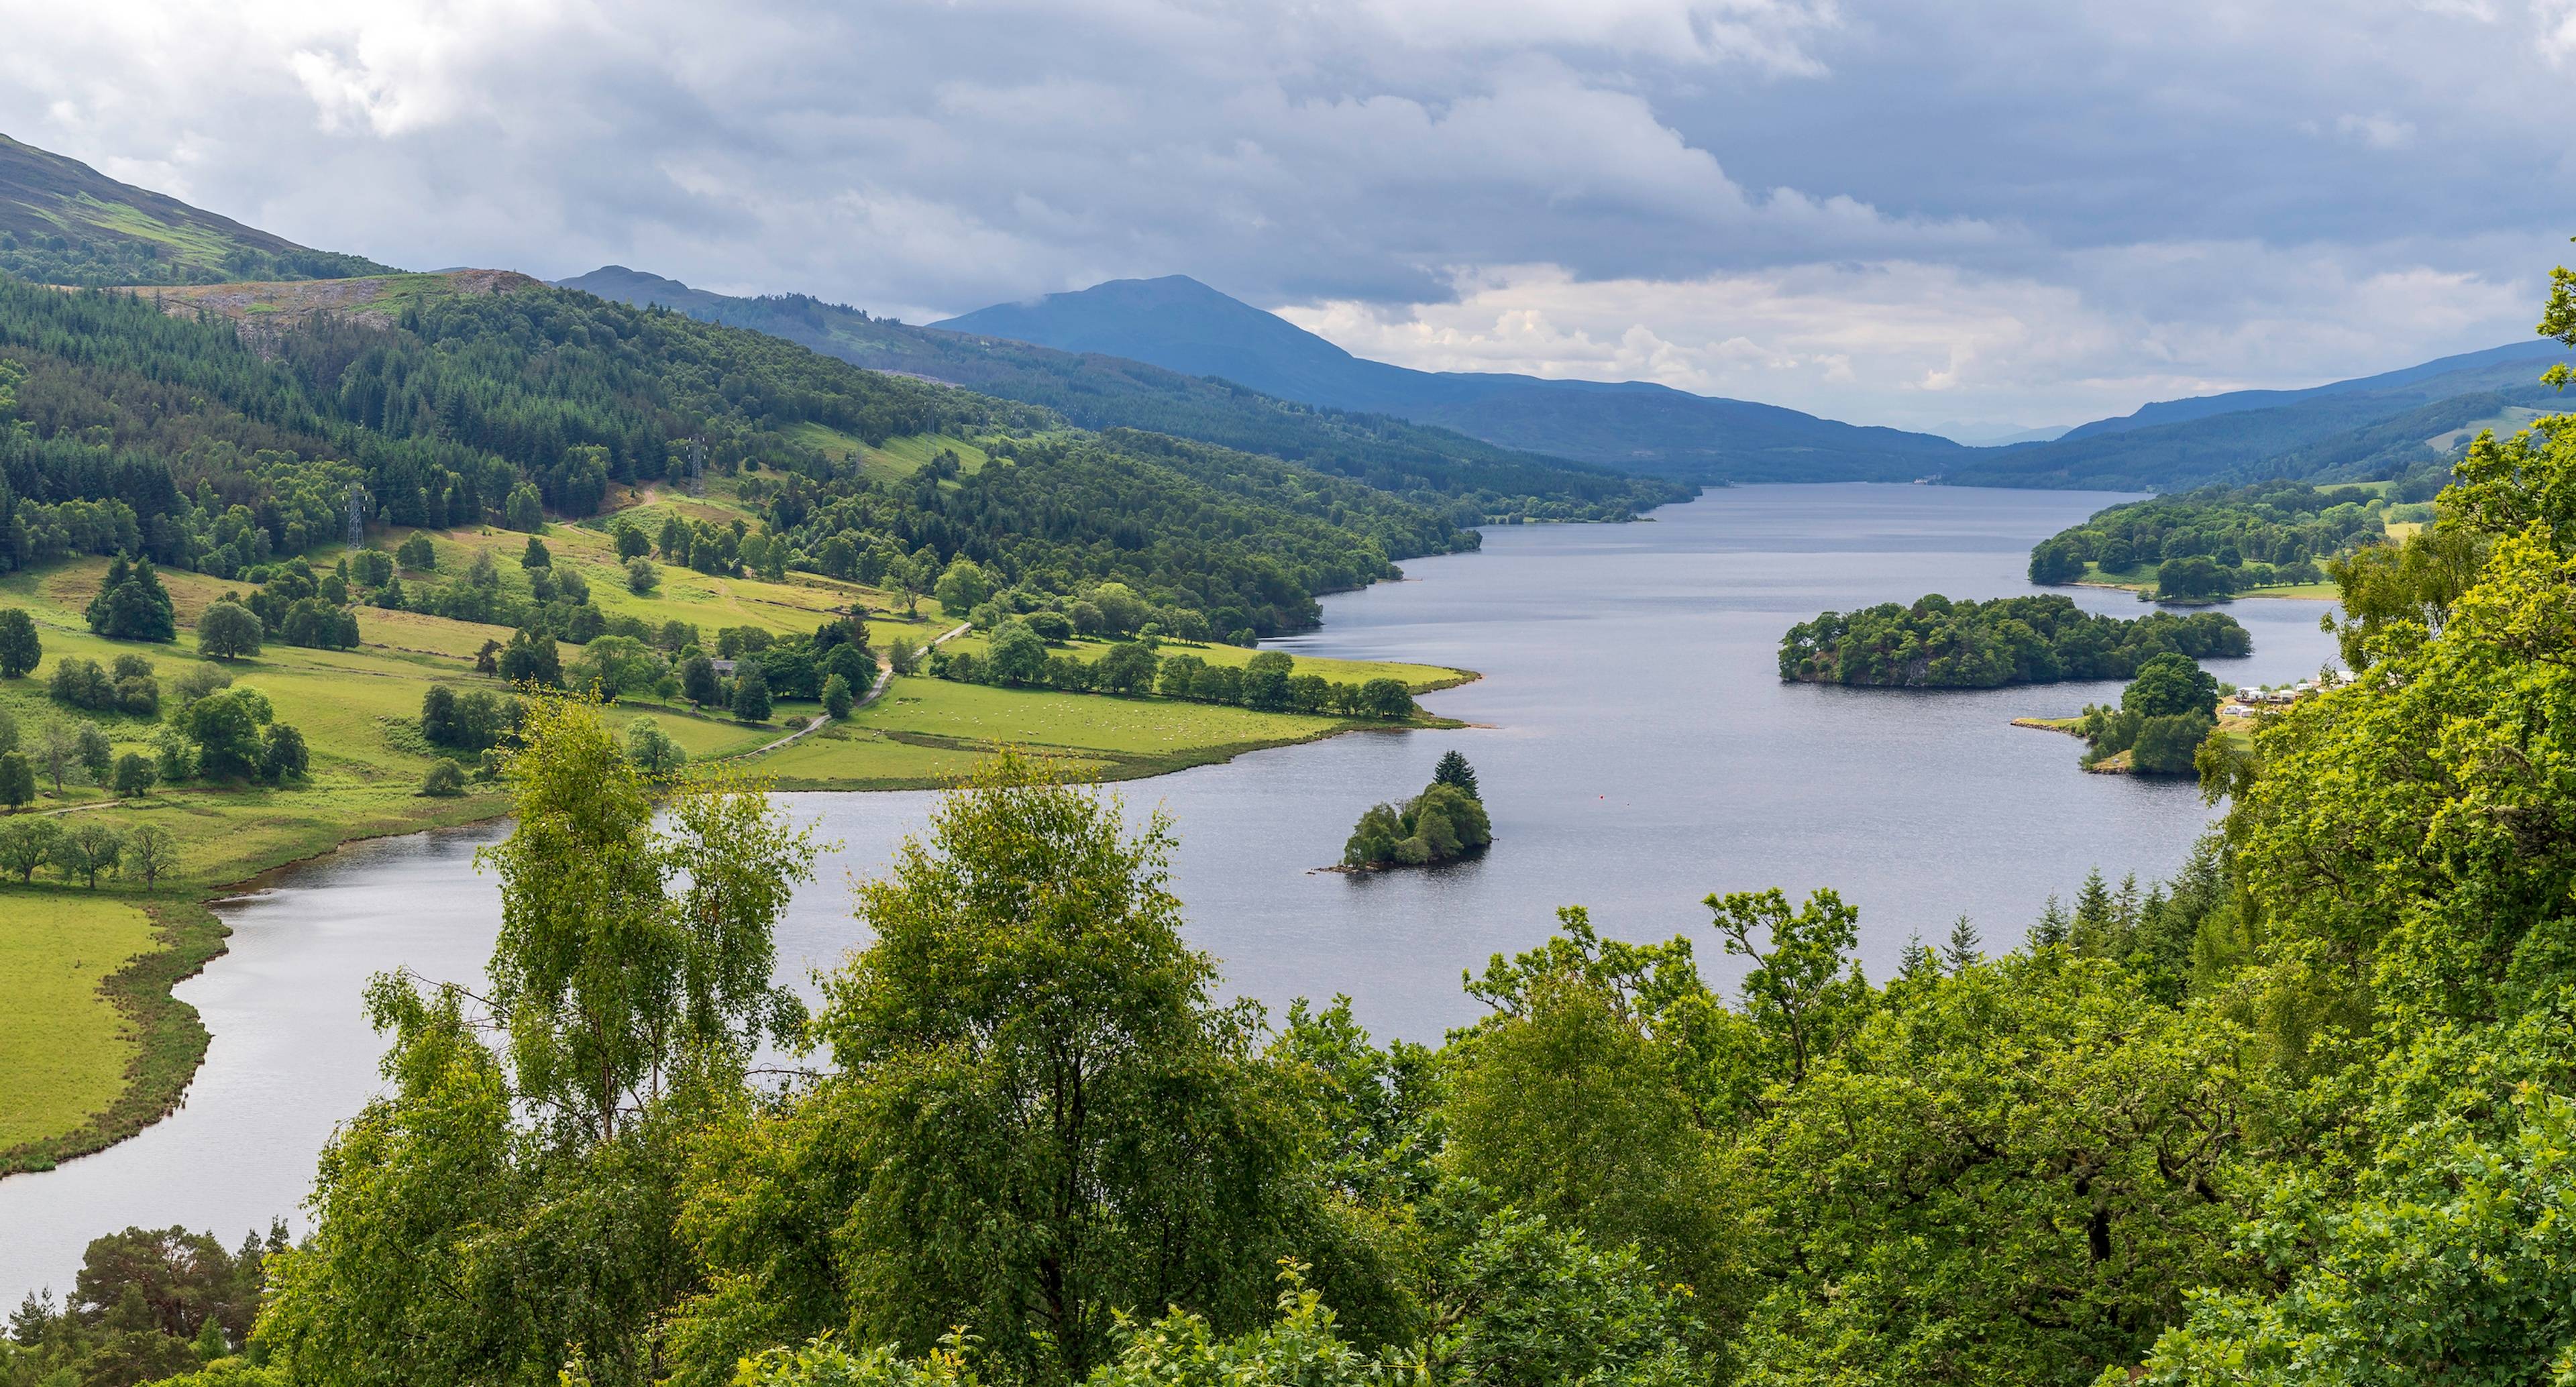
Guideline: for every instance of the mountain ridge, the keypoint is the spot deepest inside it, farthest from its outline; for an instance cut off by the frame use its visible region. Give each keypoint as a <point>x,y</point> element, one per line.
<point>1180,324</point>
<point>63,222</point>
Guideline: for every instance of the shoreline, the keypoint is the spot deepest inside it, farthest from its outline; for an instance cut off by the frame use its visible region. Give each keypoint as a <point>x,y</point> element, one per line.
<point>172,1039</point>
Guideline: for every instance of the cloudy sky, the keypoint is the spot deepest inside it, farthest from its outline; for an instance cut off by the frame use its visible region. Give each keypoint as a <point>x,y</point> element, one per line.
<point>1969,216</point>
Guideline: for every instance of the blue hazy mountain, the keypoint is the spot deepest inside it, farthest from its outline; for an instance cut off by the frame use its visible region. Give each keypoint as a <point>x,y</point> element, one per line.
<point>1182,325</point>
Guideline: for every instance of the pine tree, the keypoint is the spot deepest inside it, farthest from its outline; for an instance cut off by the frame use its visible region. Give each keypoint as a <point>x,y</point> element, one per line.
<point>2053,927</point>
<point>1454,770</point>
<point>1964,946</point>
<point>1918,962</point>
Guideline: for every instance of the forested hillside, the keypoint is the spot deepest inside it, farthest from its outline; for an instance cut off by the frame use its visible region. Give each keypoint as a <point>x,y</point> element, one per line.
<point>2225,539</point>
<point>1470,480</point>
<point>2370,429</point>
<point>63,222</point>
<point>180,435</point>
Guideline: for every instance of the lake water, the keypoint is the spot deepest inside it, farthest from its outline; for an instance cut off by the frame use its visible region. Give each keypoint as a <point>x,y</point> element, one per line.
<point>1639,753</point>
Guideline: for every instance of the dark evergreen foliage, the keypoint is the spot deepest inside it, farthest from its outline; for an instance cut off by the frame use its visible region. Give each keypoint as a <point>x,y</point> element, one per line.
<point>1938,643</point>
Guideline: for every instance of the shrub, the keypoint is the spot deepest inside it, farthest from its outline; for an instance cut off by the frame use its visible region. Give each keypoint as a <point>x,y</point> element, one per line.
<point>445,779</point>
<point>417,553</point>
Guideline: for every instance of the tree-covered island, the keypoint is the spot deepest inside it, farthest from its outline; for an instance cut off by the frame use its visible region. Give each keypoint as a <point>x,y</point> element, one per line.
<point>1446,821</point>
<point>1940,644</point>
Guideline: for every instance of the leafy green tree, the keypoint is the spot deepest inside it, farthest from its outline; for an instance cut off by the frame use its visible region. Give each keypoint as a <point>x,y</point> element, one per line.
<point>642,576</point>
<point>1802,988</point>
<point>535,555</point>
<point>1126,668</point>
<point>606,977</point>
<point>20,649</point>
<point>1454,772</point>
<point>2193,576</point>
<point>1563,1106</point>
<point>151,852</point>
<point>17,780</point>
<point>229,631</point>
<point>1035,1116</point>
<point>26,844</point>
<point>2017,1175</point>
<point>2170,683</point>
<point>1386,698</point>
<point>86,848</point>
<point>532,659</point>
<point>445,779</point>
<point>2056,561</point>
<point>524,509</point>
<point>631,541</point>
<point>283,755</point>
<point>371,568</point>
<point>1373,839</point>
<point>698,681</point>
<point>652,750</point>
<point>226,728</point>
<point>134,774</point>
<point>1017,655</point>
<point>750,693</point>
<point>1265,682</point>
<point>417,553</point>
<point>836,697</point>
<point>97,754</point>
<point>132,605</point>
<point>962,587</point>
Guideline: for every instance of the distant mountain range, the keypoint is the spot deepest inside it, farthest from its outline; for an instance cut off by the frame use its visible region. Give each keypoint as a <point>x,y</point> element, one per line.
<point>2387,425</point>
<point>1183,325</point>
<point>1105,392</point>
<point>1174,356</point>
<point>63,222</point>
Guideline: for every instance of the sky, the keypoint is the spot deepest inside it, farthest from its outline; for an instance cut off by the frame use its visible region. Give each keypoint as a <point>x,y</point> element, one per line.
<point>1968,218</point>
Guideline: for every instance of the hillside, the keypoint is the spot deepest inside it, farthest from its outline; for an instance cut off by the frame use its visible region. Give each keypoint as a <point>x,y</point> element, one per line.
<point>478,396</point>
<point>63,222</point>
<point>1473,479</point>
<point>2374,426</point>
<point>1183,325</point>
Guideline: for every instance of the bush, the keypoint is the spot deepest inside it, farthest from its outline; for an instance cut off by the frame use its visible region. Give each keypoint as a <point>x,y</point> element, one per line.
<point>417,553</point>
<point>642,576</point>
<point>445,779</point>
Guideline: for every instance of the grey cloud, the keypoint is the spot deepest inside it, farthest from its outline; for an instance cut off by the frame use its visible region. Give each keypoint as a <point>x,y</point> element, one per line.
<point>2174,186</point>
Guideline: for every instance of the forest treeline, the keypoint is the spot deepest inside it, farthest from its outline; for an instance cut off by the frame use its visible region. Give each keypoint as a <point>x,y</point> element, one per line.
<point>125,429</point>
<point>1940,644</point>
<point>2303,1114</point>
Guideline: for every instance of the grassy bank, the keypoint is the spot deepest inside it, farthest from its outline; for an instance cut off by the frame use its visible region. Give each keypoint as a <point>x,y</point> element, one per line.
<point>97,1048</point>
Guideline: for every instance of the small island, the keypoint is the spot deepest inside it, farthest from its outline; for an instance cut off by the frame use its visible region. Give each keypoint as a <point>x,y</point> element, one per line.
<point>1940,644</point>
<point>1445,822</point>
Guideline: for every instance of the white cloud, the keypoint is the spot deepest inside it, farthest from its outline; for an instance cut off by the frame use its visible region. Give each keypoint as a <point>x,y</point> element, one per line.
<point>2025,209</point>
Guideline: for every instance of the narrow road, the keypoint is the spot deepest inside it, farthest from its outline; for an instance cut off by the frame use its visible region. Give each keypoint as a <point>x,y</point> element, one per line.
<point>885,677</point>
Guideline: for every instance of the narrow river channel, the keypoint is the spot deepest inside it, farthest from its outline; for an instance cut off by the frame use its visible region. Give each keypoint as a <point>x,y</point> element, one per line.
<point>1638,753</point>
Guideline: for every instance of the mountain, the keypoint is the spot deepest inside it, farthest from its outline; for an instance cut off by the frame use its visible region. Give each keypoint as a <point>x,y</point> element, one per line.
<point>1180,324</point>
<point>63,222</point>
<point>2245,401</point>
<point>2393,424</point>
<point>1463,476</point>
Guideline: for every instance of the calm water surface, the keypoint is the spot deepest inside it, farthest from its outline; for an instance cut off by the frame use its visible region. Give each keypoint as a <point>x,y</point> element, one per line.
<point>1639,753</point>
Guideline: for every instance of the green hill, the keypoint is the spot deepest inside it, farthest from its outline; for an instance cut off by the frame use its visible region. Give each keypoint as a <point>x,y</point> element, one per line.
<point>2375,427</point>
<point>1471,479</point>
<point>214,427</point>
<point>63,222</point>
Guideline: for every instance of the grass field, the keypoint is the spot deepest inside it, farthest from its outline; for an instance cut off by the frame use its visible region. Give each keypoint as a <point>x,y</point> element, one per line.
<point>62,1055</point>
<point>109,1050</point>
